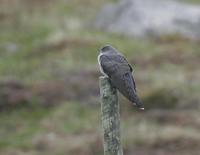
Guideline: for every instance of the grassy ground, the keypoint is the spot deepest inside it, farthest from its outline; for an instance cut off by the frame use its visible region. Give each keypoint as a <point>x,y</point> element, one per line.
<point>50,48</point>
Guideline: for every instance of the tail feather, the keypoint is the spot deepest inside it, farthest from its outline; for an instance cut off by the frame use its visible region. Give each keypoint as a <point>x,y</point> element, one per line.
<point>137,101</point>
<point>131,90</point>
<point>126,85</point>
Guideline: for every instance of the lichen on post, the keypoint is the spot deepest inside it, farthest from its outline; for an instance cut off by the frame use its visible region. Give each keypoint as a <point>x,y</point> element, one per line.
<point>110,118</point>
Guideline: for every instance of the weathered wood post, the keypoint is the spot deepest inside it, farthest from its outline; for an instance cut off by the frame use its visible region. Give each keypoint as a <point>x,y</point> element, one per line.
<point>110,118</point>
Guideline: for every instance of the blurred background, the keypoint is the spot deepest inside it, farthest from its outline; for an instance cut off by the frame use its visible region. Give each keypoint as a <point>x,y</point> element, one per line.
<point>49,93</point>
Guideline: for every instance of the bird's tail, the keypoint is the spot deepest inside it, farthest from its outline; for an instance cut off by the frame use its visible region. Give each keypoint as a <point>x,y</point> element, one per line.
<point>138,102</point>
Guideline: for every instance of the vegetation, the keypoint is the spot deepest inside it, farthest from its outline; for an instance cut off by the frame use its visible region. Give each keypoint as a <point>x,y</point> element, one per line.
<point>49,49</point>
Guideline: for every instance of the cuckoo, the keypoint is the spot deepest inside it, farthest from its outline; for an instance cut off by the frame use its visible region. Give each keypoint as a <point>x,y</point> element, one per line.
<point>114,65</point>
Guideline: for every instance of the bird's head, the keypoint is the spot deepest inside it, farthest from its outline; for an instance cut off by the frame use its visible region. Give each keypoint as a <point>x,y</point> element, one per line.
<point>108,49</point>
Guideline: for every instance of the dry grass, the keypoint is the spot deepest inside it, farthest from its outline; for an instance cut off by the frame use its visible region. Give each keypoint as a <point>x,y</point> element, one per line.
<point>49,48</point>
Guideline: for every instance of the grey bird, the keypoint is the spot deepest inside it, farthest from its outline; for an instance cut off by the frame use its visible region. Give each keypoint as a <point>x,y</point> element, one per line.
<point>114,65</point>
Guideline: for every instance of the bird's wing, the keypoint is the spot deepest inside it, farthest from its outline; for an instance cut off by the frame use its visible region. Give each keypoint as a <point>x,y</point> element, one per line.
<point>110,63</point>
<point>116,65</point>
<point>121,59</point>
<point>126,85</point>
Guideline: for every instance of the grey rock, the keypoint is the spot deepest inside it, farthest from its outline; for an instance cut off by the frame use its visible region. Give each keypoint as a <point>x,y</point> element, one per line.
<point>141,18</point>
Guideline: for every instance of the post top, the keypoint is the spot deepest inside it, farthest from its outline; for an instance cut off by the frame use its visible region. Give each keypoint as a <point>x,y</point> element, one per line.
<point>103,77</point>
<point>104,81</point>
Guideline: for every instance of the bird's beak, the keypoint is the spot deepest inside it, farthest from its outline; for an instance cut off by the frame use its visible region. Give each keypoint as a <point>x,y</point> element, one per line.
<point>142,109</point>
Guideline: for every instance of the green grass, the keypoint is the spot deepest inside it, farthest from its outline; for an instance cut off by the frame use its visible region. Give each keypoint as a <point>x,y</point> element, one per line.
<point>34,56</point>
<point>44,45</point>
<point>80,50</point>
<point>32,129</point>
<point>71,118</point>
<point>20,126</point>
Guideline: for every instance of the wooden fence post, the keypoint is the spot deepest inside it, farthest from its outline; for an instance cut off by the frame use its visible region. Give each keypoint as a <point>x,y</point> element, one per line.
<point>110,118</point>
